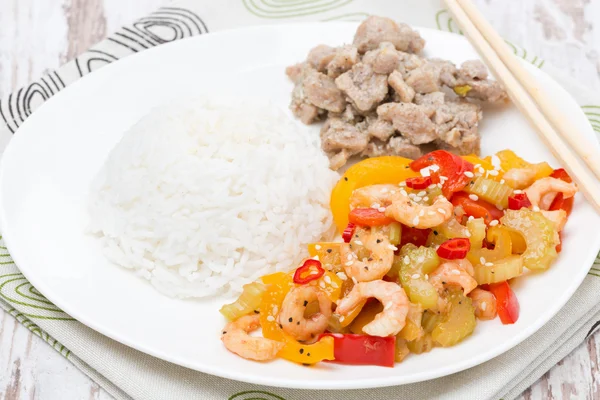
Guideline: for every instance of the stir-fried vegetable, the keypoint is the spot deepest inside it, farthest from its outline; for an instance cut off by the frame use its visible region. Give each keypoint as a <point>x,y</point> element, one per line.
<point>415,236</point>
<point>367,315</point>
<point>452,229</point>
<point>509,160</point>
<point>430,320</point>
<point>477,208</point>
<point>448,168</point>
<point>506,302</point>
<point>412,329</point>
<point>477,232</point>
<point>458,323</point>
<point>416,262</point>
<point>539,233</point>
<point>498,271</point>
<point>248,302</point>
<point>454,249</point>
<point>560,203</point>
<point>422,345</point>
<point>402,349</point>
<point>500,237</point>
<point>518,201</point>
<point>363,349</point>
<point>419,183</point>
<point>395,233</point>
<point>348,232</point>
<point>308,271</point>
<point>491,191</point>
<point>371,171</point>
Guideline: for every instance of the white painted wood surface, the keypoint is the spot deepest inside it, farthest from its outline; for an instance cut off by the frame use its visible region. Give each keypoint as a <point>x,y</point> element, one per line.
<point>37,35</point>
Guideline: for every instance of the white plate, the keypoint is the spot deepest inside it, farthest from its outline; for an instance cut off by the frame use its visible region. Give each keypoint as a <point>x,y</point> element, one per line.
<point>48,166</point>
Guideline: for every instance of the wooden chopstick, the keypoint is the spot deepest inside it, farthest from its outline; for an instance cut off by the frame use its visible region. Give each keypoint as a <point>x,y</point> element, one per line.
<point>587,183</point>
<point>582,146</point>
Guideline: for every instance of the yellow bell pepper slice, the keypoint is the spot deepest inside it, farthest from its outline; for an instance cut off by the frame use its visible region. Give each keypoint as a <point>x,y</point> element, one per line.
<point>366,316</point>
<point>279,284</point>
<point>372,171</point>
<point>486,164</point>
<point>509,160</point>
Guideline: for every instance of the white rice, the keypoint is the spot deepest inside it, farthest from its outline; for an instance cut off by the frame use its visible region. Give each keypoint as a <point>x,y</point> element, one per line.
<point>204,196</point>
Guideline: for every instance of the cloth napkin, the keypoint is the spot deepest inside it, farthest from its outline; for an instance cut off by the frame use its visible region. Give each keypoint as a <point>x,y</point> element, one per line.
<point>129,374</point>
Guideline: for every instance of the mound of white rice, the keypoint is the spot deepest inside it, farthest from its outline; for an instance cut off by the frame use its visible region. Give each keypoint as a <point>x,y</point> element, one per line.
<point>204,196</point>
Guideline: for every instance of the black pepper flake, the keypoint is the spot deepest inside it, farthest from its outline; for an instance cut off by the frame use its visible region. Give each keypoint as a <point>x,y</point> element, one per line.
<point>305,303</point>
<point>460,302</point>
<point>256,312</point>
<point>280,326</point>
<point>378,240</point>
<point>308,354</point>
<point>224,332</point>
<point>298,323</point>
<point>492,272</point>
<point>346,178</point>
<point>301,351</point>
<point>366,268</point>
<point>435,233</point>
<point>356,236</point>
<point>306,365</point>
<point>443,283</point>
<point>329,250</point>
<point>370,259</point>
<point>312,335</point>
<point>291,320</point>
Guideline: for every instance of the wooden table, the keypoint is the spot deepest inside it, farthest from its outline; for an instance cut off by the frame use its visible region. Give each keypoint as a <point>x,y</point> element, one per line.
<point>37,35</point>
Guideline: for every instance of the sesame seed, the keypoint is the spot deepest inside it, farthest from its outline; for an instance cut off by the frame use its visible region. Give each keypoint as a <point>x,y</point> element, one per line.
<point>388,306</point>
<point>392,247</point>
<point>270,318</point>
<point>455,272</point>
<point>443,178</point>
<point>412,195</point>
<point>426,276</point>
<point>493,172</point>
<point>434,167</point>
<point>415,221</point>
<point>489,264</point>
<point>342,318</point>
<point>318,247</point>
<point>517,191</point>
<point>536,208</point>
<point>327,279</point>
<point>477,166</point>
<point>441,211</point>
<point>494,222</point>
<point>275,309</point>
<point>426,198</point>
<point>422,193</point>
<point>425,171</point>
<point>322,285</point>
<point>496,161</point>
<point>342,276</point>
<point>406,260</point>
<point>384,190</point>
<point>471,218</point>
<point>474,197</point>
<point>481,170</point>
<point>482,260</point>
<point>381,209</point>
<point>375,205</point>
<point>334,285</point>
<point>316,258</point>
<point>483,305</point>
<point>358,242</point>
<point>502,181</point>
<point>421,259</point>
<point>349,257</point>
<point>468,234</point>
<point>415,276</point>
<point>430,212</point>
<point>403,193</point>
<point>349,263</point>
<point>354,280</point>
<point>421,213</point>
<point>469,174</point>
<point>432,186</point>
<point>402,184</point>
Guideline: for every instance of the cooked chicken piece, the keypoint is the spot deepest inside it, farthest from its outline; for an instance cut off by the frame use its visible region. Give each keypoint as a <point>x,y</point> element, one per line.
<point>410,120</point>
<point>344,59</point>
<point>397,146</point>
<point>363,86</point>
<point>457,126</point>
<point>301,108</point>
<point>319,57</point>
<point>338,135</point>
<point>339,159</point>
<point>409,62</point>
<point>380,129</point>
<point>385,59</point>
<point>321,91</point>
<point>375,30</point>
<point>469,143</point>
<point>294,72</point>
<point>472,82</point>
<point>405,93</point>
<point>430,76</point>
<point>434,99</point>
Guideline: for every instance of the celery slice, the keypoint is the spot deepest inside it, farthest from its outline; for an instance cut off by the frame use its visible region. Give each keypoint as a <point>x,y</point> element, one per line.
<point>248,301</point>
<point>500,271</point>
<point>491,191</point>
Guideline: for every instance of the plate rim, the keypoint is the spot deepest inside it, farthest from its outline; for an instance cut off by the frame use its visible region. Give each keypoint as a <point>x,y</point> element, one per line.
<point>330,384</point>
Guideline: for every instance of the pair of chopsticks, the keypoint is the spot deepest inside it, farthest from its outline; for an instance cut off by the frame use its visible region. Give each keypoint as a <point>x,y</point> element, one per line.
<point>549,122</point>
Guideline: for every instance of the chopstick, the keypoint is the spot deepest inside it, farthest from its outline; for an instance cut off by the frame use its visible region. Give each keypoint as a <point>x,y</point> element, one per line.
<point>492,52</point>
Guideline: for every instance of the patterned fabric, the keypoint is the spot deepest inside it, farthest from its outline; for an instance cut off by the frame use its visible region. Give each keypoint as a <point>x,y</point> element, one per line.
<point>127,373</point>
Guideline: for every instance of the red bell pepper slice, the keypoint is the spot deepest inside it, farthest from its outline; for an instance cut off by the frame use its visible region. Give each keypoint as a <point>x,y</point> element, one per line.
<point>418,237</point>
<point>450,166</point>
<point>506,302</point>
<point>369,217</point>
<point>454,249</point>
<point>348,232</point>
<point>309,271</point>
<point>477,209</point>
<point>560,203</point>
<point>419,182</point>
<point>363,349</point>
<point>518,201</point>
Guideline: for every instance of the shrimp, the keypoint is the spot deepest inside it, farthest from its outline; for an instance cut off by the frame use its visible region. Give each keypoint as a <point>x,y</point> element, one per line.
<point>520,178</point>
<point>395,306</point>
<point>484,303</point>
<point>236,339</point>
<point>291,316</point>
<point>451,273</point>
<point>542,192</point>
<point>399,206</point>
<point>368,256</point>
<point>420,216</point>
<point>463,264</point>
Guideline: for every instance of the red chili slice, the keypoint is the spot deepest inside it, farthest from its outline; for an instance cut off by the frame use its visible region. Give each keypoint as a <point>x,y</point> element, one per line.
<point>418,237</point>
<point>518,201</point>
<point>559,202</point>
<point>309,271</point>
<point>348,232</point>
<point>368,217</point>
<point>418,183</point>
<point>454,249</point>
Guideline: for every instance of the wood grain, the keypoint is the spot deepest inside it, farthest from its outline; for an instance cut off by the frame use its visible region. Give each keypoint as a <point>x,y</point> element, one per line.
<point>37,35</point>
